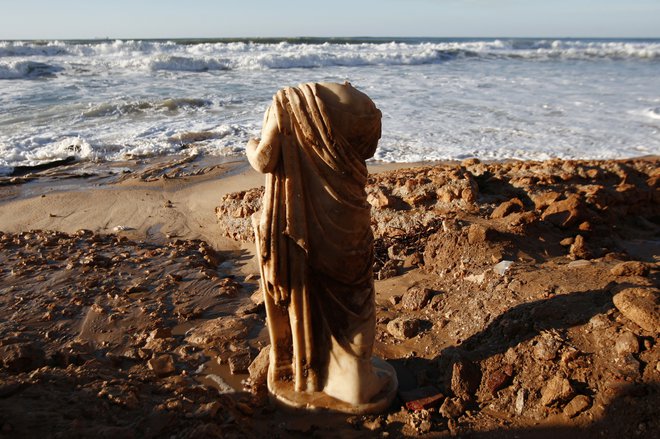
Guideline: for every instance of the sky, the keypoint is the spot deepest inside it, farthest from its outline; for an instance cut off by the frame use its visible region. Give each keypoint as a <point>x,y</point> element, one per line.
<point>83,19</point>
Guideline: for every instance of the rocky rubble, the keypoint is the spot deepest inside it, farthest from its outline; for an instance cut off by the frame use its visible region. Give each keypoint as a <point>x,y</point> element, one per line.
<point>532,301</point>
<point>513,299</point>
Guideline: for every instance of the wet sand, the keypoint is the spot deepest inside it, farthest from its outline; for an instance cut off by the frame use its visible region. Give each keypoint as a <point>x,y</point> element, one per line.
<point>503,291</point>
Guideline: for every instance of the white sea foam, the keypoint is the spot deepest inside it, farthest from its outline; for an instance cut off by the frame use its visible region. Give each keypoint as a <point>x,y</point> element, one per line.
<point>441,99</point>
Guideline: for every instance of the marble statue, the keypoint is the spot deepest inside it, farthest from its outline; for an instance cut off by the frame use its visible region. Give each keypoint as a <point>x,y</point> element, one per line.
<point>315,249</point>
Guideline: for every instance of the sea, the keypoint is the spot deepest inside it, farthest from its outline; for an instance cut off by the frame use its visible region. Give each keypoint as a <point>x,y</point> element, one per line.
<point>441,98</point>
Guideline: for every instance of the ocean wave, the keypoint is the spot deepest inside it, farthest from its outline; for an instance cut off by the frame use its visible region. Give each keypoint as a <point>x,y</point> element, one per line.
<point>137,107</point>
<point>653,113</point>
<point>26,70</point>
<point>249,55</point>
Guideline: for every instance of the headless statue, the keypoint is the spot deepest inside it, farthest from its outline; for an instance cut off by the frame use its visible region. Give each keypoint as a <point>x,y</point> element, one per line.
<point>315,249</point>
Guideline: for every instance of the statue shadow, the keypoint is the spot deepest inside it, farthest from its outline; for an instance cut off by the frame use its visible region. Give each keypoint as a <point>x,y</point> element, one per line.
<point>516,325</point>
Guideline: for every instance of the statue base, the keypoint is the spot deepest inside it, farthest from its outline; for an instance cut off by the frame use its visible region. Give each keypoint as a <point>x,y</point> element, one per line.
<point>283,393</point>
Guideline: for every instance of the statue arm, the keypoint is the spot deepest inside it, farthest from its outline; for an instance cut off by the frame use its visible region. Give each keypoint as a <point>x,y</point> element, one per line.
<point>263,154</point>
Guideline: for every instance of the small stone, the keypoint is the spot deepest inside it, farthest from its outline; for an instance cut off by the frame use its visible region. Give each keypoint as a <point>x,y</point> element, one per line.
<point>507,208</point>
<point>557,390</point>
<point>160,333</point>
<point>477,233</point>
<point>416,298</point>
<point>465,379</point>
<point>567,241</point>
<point>577,405</point>
<point>257,297</point>
<point>403,328</point>
<point>546,349</point>
<point>630,268</point>
<point>579,249</point>
<point>626,343</point>
<point>162,365</point>
<point>565,213</point>
<point>499,379</point>
<point>394,300</point>
<point>412,260</point>
<point>258,369</point>
<point>453,408</point>
<point>520,401</point>
<point>239,362</point>
<point>640,305</point>
<point>379,199</point>
<point>421,398</point>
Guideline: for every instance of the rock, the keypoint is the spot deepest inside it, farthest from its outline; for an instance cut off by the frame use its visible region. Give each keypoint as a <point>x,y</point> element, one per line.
<point>22,357</point>
<point>640,305</point>
<point>403,328</point>
<point>395,299</point>
<point>567,241</point>
<point>546,348</point>
<point>379,199</point>
<point>421,398</point>
<point>520,401</point>
<point>465,379</point>
<point>257,297</point>
<point>565,213</point>
<point>556,391</point>
<point>630,268</point>
<point>160,333</point>
<point>579,249</point>
<point>258,369</point>
<point>452,408</point>
<point>413,260</point>
<point>390,269</point>
<point>544,199</point>
<point>239,362</point>
<point>162,365</point>
<point>416,298</point>
<point>626,343</point>
<point>507,208</point>
<point>477,233</point>
<point>577,405</point>
<point>498,379</point>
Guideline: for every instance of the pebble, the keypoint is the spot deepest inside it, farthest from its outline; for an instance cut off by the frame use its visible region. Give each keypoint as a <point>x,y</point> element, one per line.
<point>416,298</point>
<point>452,408</point>
<point>546,349</point>
<point>404,328</point>
<point>626,343</point>
<point>557,390</point>
<point>520,401</point>
<point>499,378</point>
<point>507,208</point>
<point>465,379</point>
<point>162,365</point>
<point>577,405</point>
<point>258,369</point>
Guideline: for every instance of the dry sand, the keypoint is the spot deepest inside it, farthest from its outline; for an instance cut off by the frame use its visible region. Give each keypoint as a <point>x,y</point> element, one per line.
<point>127,309</point>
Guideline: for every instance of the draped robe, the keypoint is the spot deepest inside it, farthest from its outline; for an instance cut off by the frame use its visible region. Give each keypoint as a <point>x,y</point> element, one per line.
<point>314,239</point>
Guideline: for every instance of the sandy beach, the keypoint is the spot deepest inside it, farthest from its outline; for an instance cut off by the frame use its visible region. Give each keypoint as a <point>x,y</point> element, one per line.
<point>512,298</point>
